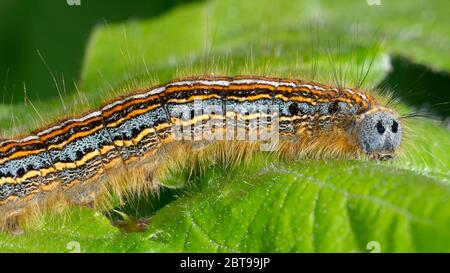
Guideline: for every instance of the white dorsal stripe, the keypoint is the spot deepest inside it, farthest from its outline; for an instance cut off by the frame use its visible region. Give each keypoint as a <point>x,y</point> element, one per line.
<point>138,96</point>
<point>66,122</point>
<point>28,138</point>
<point>266,82</point>
<point>204,82</point>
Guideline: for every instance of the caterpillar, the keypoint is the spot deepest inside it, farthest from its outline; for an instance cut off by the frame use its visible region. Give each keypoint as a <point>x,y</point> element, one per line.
<point>72,160</point>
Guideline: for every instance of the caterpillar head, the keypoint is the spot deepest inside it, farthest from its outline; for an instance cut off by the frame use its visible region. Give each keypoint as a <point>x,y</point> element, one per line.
<point>380,134</point>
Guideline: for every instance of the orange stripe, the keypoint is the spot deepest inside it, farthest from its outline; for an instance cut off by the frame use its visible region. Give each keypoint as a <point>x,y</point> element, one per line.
<point>18,144</point>
<point>250,86</point>
<point>68,127</point>
<point>173,89</point>
<point>125,105</point>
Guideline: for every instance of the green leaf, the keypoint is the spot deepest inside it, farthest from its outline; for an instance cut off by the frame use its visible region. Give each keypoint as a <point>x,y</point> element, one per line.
<point>311,207</point>
<point>270,205</point>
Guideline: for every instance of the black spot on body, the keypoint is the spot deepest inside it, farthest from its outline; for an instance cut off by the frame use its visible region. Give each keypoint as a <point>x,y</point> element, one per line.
<point>105,142</point>
<point>20,172</point>
<point>333,107</point>
<point>293,108</point>
<point>79,155</point>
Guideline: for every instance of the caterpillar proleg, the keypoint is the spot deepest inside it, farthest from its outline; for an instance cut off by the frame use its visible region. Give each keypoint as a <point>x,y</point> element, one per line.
<point>73,159</point>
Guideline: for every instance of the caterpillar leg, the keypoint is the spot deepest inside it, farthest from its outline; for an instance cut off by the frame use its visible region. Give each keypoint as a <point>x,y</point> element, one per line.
<point>131,225</point>
<point>144,181</point>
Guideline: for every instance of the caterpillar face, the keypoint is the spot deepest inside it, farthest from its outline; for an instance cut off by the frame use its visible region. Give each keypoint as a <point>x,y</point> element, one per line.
<point>380,134</point>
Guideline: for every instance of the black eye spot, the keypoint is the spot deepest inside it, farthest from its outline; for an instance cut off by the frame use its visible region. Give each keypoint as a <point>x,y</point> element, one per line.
<point>135,131</point>
<point>20,172</point>
<point>333,108</point>
<point>30,167</point>
<point>192,114</point>
<point>293,108</point>
<point>79,155</point>
<point>394,127</point>
<point>380,128</point>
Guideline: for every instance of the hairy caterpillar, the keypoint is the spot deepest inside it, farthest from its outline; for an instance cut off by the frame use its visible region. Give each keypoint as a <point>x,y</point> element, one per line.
<point>69,160</point>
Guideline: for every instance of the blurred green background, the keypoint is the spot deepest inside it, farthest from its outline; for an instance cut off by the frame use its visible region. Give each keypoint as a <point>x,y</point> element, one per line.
<point>60,32</point>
